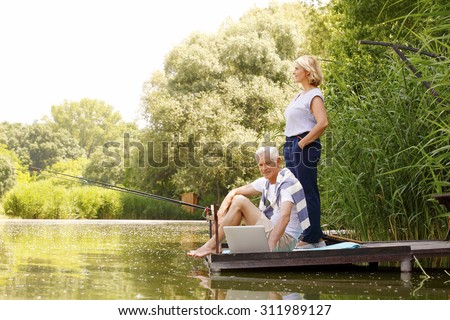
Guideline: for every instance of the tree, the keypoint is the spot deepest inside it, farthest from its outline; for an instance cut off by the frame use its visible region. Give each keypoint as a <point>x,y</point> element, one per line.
<point>12,135</point>
<point>90,122</point>
<point>106,166</point>
<point>216,100</point>
<point>46,146</point>
<point>233,87</point>
<point>8,173</point>
<point>39,145</point>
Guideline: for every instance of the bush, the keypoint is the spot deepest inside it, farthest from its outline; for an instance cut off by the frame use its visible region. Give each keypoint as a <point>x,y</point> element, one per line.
<point>44,200</point>
<point>136,207</point>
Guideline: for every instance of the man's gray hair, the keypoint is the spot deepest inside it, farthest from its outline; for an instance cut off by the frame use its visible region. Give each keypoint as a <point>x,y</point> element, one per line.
<point>268,152</point>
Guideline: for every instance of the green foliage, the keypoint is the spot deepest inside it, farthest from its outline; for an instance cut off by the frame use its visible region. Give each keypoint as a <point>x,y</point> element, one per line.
<point>70,166</point>
<point>38,145</point>
<point>67,168</point>
<point>389,138</point>
<point>50,199</point>
<point>216,100</point>
<point>11,170</point>
<point>386,150</point>
<point>55,196</point>
<point>219,96</point>
<point>47,147</point>
<point>141,208</point>
<point>193,66</point>
<point>12,135</point>
<point>90,122</point>
<point>96,203</point>
<point>101,167</point>
<point>7,174</point>
<point>45,200</point>
<point>35,200</point>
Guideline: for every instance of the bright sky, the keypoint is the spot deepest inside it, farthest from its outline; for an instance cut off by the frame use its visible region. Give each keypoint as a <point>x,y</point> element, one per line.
<point>52,50</point>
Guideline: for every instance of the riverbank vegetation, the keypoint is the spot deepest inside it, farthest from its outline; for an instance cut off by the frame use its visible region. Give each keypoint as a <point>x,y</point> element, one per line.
<point>390,124</point>
<point>46,200</point>
<point>220,96</point>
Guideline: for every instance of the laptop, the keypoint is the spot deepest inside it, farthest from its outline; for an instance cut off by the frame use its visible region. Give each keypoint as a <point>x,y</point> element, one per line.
<point>246,239</point>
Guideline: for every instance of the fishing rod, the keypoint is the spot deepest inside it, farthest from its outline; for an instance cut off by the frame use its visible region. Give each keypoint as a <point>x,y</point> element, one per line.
<point>121,189</point>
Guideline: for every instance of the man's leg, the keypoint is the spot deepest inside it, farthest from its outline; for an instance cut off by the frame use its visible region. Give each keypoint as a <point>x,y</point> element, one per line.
<point>240,209</point>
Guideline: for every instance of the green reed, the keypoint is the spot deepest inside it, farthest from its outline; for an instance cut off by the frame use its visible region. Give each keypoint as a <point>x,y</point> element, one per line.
<point>390,149</point>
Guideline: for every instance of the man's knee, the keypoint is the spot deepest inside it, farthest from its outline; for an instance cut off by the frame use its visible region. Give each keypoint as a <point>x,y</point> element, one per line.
<point>239,200</point>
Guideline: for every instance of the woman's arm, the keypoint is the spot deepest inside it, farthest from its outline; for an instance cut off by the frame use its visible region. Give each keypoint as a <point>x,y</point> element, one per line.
<point>320,114</point>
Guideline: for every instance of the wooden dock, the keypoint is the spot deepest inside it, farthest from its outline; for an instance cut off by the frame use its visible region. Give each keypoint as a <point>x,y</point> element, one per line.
<point>371,253</point>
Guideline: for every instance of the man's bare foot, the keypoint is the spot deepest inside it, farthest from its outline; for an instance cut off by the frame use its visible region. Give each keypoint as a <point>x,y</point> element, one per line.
<point>201,252</point>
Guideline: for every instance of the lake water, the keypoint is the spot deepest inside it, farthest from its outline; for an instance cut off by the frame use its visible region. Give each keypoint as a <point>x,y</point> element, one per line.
<point>129,260</point>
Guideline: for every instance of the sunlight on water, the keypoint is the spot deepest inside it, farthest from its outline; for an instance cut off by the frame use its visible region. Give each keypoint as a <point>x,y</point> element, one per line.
<point>130,260</point>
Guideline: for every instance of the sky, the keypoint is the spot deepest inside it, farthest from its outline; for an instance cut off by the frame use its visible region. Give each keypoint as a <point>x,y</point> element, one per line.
<point>56,50</point>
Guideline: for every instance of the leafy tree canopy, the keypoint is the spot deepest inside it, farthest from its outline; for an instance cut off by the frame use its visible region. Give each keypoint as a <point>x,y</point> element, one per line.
<point>90,122</point>
<point>8,172</point>
<point>39,145</point>
<point>217,98</point>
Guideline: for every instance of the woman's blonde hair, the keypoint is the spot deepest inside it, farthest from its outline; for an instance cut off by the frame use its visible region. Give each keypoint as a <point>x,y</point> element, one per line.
<point>310,64</point>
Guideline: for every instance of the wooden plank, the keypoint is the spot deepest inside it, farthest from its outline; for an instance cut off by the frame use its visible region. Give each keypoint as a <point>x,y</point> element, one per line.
<point>336,239</point>
<point>443,199</point>
<point>419,248</point>
<point>370,252</point>
<point>307,258</point>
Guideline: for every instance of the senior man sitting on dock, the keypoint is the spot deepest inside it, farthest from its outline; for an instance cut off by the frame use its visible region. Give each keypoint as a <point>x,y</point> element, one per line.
<point>282,209</point>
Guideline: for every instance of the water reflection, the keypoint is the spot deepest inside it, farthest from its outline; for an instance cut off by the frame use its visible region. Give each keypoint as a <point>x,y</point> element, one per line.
<point>328,285</point>
<point>228,288</point>
<point>97,260</point>
<point>130,260</point>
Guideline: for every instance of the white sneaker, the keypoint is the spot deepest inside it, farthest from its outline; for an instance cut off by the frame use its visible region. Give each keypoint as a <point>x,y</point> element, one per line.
<point>320,244</point>
<point>305,247</point>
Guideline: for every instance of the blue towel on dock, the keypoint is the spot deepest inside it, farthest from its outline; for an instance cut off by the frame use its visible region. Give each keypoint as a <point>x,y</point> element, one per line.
<point>341,245</point>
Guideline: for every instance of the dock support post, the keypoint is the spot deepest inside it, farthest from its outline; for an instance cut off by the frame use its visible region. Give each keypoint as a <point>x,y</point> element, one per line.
<point>209,218</point>
<point>216,227</point>
<point>406,265</point>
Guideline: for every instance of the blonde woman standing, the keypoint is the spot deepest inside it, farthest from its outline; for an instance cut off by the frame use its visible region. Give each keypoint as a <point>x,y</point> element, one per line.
<point>306,120</point>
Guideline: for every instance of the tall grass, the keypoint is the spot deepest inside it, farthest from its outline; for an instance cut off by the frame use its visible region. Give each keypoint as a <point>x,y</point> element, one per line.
<point>390,152</point>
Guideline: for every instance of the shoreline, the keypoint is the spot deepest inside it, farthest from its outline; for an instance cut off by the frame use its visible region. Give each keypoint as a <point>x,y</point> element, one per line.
<point>5,218</point>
